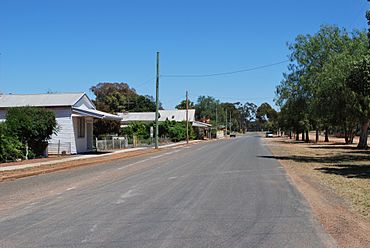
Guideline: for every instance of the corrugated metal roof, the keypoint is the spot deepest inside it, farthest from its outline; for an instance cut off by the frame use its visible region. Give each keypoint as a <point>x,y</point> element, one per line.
<point>96,113</point>
<point>201,124</point>
<point>176,115</point>
<point>137,116</point>
<point>39,100</point>
<point>171,115</point>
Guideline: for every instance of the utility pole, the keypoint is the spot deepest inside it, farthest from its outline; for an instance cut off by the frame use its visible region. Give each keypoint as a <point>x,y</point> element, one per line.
<point>230,122</point>
<point>187,118</point>
<point>226,124</point>
<point>216,119</point>
<point>157,103</point>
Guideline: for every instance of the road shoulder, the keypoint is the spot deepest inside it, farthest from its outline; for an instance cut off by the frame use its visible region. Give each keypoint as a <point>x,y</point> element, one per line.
<point>336,212</point>
<point>33,168</point>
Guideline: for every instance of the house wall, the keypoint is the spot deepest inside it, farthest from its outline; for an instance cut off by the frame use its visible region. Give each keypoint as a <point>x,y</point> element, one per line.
<point>65,134</point>
<point>2,115</point>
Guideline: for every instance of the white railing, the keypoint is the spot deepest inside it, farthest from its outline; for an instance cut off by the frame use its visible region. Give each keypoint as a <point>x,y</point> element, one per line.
<point>59,148</point>
<point>111,144</point>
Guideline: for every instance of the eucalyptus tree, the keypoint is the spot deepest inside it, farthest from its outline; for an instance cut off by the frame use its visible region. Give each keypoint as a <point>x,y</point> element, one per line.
<point>267,117</point>
<point>313,75</point>
<point>182,105</point>
<point>248,112</point>
<point>359,82</point>
<point>291,98</point>
<point>334,101</point>
<point>118,97</point>
<point>206,108</point>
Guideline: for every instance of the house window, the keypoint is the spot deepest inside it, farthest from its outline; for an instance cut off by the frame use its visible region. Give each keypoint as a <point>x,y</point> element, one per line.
<point>80,127</point>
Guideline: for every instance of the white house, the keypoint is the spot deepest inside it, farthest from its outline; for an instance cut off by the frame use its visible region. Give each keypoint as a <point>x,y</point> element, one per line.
<point>74,113</point>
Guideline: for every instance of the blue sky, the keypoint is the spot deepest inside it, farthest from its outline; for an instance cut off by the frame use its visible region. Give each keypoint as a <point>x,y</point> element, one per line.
<point>69,46</point>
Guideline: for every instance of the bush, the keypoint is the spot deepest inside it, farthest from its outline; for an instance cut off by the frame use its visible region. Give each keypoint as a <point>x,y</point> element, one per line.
<point>32,126</point>
<point>139,129</point>
<point>176,131</point>
<point>10,147</point>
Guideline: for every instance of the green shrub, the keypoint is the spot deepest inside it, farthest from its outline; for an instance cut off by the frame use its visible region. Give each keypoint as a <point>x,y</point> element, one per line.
<point>176,131</point>
<point>32,126</point>
<point>10,147</point>
<point>139,129</point>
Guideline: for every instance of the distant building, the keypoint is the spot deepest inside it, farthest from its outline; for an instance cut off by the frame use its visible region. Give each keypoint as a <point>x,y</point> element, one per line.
<point>171,115</point>
<point>177,115</point>
<point>202,129</point>
<point>74,114</point>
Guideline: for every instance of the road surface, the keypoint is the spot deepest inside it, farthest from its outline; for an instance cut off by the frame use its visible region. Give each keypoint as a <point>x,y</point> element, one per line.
<point>216,194</point>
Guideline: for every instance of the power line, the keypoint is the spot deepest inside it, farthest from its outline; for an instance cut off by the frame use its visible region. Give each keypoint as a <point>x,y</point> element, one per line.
<point>225,73</point>
<point>144,83</point>
<point>234,98</point>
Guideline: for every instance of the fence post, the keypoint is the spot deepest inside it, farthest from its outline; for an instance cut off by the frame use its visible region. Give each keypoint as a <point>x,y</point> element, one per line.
<point>26,150</point>
<point>96,144</point>
<point>112,143</point>
<point>58,147</point>
<point>105,143</point>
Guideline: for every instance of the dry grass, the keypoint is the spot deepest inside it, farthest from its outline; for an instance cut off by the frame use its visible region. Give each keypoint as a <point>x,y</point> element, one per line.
<point>335,180</point>
<point>342,168</point>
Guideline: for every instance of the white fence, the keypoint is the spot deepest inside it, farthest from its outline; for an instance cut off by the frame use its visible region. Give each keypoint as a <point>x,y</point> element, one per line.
<point>59,148</point>
<point>111,144</point>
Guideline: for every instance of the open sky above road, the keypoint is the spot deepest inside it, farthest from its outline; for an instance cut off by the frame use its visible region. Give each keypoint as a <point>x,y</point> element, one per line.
<point>69,46</point>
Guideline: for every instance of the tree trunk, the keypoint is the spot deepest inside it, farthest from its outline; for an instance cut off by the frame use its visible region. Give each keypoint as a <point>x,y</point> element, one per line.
<point>346,138</point>
<point>290,134</point>
<point>307,136</point>
<point>297,136</point>
<point>351,137</point>
<point>362,144</point>
<point>302,135</point>
<point>317,135</point>
<point>326,134</point>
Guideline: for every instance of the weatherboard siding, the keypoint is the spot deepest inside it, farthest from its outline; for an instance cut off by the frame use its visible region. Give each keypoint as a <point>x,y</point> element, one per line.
<point>2,115</point>
<point>65,134</point>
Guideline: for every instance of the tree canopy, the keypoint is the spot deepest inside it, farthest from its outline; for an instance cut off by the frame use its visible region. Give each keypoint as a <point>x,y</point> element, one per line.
<point>116,98</point>
<point>182,105</point>
<point>32,126</point>
<point>315,92</point>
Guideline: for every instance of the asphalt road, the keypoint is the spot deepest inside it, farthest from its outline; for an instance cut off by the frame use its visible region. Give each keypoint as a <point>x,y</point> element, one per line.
<point>215,194</point>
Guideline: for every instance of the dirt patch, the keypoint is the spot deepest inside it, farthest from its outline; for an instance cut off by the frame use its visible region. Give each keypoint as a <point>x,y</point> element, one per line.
<point>335,180</point>
<point>8,175</point>
<point>31,161</point>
